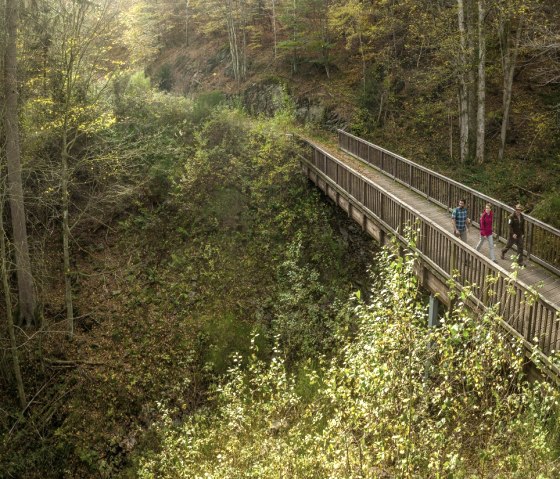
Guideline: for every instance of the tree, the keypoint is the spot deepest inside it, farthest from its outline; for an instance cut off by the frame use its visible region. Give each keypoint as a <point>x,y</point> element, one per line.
<point>511,22</point>
<point>26,289</point>
<point>351,21</point>
<point>141,32</point>
<point>472,78</point>
<point>481,90</point>
<point>9,316</point>
<point>292,21</point>
<point>274,27</point>
<point>234,17</point>
<point>464,76</point>
<point>80,65</point>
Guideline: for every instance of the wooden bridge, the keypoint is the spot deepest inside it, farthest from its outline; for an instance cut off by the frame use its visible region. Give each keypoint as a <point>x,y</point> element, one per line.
<point>385,193</point>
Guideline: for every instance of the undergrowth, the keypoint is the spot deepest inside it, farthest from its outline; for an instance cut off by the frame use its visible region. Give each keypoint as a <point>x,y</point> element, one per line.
<point>398,400</point>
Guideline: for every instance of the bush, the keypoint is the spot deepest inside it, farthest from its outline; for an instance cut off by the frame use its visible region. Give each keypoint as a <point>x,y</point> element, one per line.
<point>400,400</point>
<point>547,209</point>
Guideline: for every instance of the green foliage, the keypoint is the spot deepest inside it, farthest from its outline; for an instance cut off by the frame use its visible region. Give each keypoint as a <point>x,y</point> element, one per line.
<point>547,209</point>
<point>204,105</point>
<point>164,78</point>
<point>224,336</point>
<point>400,400</point>
<point>207,200</point>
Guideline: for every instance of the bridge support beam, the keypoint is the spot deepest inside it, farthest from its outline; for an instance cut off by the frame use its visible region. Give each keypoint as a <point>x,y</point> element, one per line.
<point>433,312</point>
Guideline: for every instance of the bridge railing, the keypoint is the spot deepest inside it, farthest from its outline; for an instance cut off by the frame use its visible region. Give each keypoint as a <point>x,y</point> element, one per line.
<point>542,241</point>
<point>526,313</point>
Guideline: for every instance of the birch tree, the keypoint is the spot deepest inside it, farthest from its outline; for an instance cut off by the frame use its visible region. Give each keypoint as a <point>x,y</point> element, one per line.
<point>233,17</point>
<point>463,85</point>
<point>274,28</point>
<point>481,90</point>
<point>187,20</point>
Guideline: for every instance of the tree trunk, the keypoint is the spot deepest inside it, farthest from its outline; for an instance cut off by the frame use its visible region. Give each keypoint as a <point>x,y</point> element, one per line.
<point>450,114</point>
<point>243,25</point>
<point>471,69</point>
<point>66,236</point>
<point>26,290</point>
<point>187,13</point>
<point>274,32</point>
<point>233,42</point>
<point>463,88</point>
<point>9,316</point>
<point>510,59</point>
<point>363,55</point>
<point>481,94</point>
<point>294,48</point>
<point>325,39</point>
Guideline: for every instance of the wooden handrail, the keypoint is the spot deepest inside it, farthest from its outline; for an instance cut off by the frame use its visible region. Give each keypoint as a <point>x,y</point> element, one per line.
<point>527,314</point>
<point>542,241</point>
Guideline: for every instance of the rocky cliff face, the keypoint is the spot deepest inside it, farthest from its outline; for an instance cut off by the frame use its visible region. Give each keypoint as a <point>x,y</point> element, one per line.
<point>271,95</point>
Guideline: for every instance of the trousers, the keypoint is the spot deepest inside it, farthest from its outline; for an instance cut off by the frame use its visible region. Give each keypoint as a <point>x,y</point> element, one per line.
<point>490,240</point>
<point>517,242</point>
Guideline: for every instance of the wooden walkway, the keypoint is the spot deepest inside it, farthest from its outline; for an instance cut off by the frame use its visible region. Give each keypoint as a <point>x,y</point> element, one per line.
<point>384,193</point>
<point>532,274</point>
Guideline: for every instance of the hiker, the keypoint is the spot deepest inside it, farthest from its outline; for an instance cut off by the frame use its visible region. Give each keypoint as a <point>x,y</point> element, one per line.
<point>460,221</point>
<point>486,220</point>
<point>516,223</point>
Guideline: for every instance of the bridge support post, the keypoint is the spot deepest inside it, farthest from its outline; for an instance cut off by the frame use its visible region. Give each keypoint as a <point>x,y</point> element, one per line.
<point>433,312</point>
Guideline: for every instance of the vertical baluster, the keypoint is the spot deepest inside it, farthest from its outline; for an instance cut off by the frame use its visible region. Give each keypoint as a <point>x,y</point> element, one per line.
<point>557,331</point>
<point>429,194</point>
<point>529,240</point>
<point>551,336</point>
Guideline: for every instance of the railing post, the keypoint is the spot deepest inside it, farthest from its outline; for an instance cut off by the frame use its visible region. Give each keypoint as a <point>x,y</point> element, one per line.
<point>529,242</point>
<point>336,173</point>
<point>500,223</point>
<point>452,258</point>
<point>429,186</point>
<point>423,239</point>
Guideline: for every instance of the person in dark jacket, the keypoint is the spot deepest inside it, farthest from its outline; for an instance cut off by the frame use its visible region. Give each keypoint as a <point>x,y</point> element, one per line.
<point>486,220</point>
<point>516,233</point>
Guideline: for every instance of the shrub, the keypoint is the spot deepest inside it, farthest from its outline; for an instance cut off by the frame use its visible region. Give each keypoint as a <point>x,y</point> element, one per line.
<point>400,400</point>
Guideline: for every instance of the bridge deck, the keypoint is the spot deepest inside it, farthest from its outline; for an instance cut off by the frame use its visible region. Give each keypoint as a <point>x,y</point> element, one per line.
<point>532,274</point>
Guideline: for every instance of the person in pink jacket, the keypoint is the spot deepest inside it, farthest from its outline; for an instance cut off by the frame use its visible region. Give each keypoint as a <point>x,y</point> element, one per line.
<point>486,219</point>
